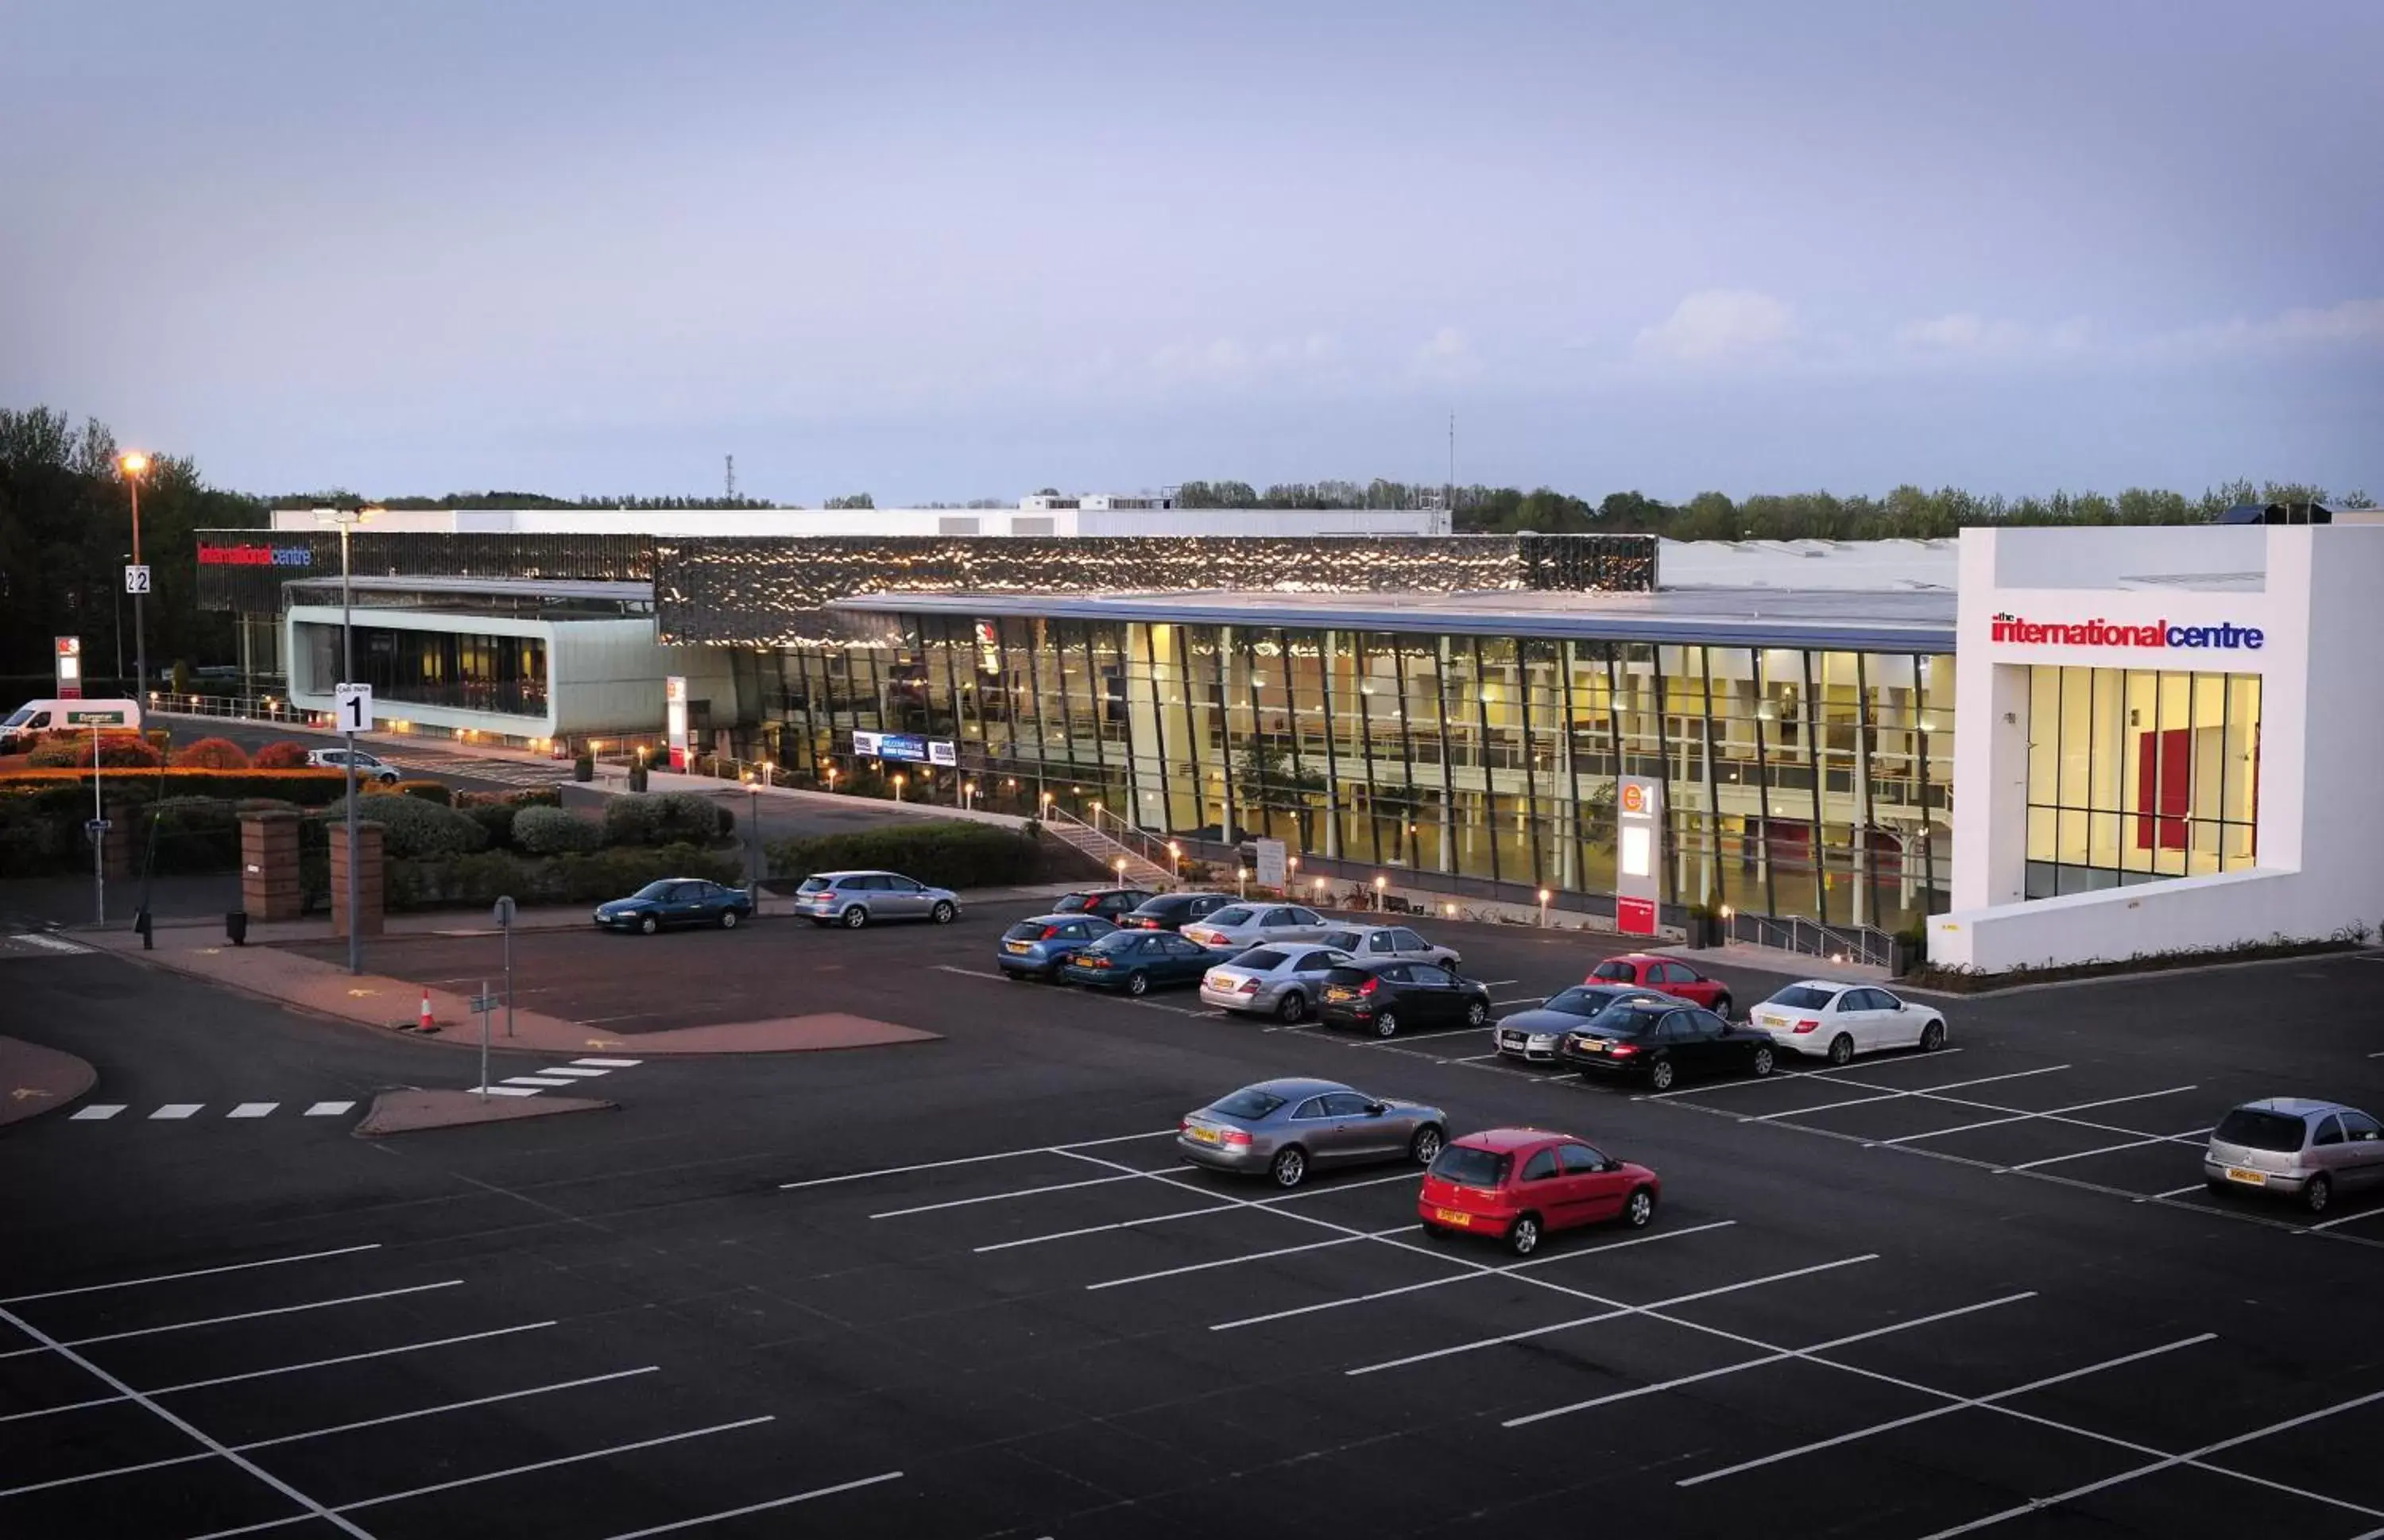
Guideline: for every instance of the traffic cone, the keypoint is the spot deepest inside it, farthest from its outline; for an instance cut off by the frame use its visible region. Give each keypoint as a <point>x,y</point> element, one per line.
<point>426,1023</point>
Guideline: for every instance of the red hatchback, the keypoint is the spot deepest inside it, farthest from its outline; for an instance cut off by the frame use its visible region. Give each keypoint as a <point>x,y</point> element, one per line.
<point>1519,1183</point>
<point>1669,974</point>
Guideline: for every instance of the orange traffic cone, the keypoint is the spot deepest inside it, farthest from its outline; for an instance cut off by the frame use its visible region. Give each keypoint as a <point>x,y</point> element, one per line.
<point>426,1023</point>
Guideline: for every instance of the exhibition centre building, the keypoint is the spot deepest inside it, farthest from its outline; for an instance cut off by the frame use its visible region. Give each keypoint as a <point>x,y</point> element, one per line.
<point>2030,745</point>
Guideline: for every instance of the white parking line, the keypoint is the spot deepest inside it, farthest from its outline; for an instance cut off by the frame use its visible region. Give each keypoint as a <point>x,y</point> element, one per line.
<point>1021,1192</point>
<point>2104,1150</point>
<point>173,1110</point>
<point>328,1109</point>
<point>1226,1207</point>
<point>2346,1219</point>
<point>1948,1409</point>
<point>1246,1257</point>
<point>244,1315</point>
<point>1500,1341</point>
<point>96,1112</point>
<point>611,1063</point>
<point>677,1525</point>
<point>1780,1357</point>
<point>2173,1192</point>
<point>196,1272</point>
<point>974,1160</point>
<point>1836,1078</point>
<point>1898,1096</point>
<point>254,1110</point>
<point>2023,1117</point>
<point>542,1080</point>
<point>1777,1075</point>
<point>1520,999</point>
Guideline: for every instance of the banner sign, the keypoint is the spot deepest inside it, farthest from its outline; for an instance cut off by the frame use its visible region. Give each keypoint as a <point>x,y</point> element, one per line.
<point>68,650</point>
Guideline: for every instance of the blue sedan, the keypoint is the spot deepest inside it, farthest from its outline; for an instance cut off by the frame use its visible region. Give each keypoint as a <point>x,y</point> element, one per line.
<point>1040,947</point>
<point>678,901</point>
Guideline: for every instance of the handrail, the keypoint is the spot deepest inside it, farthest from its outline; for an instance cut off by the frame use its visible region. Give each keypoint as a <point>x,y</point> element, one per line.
<point>1136,840</point>
<point>1865,944</point>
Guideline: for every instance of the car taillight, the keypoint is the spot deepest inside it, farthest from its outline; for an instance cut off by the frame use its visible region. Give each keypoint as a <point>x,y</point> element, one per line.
<point>1623,1050</point>
<point>1368,987</point>
<point>1237,1137</point>
<point>1094,960</point>
<point>1808,1025</point>
<point>1248,986</point>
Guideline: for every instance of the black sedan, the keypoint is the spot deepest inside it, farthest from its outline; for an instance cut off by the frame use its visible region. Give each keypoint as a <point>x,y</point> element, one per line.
<point>1662,1040</point>
<point>1386,999</point>
<point>1137,962</point>
<point>678,901</point>
<point>1537,1036</point>
<point>1109,903</point>
<point>1172,911</point>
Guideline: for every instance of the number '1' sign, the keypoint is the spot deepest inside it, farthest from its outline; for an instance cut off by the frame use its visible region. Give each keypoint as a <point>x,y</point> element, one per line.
<point>353,710</point>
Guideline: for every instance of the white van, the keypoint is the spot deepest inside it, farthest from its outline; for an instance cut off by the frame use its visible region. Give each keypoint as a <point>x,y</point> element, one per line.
<point>24,727</point>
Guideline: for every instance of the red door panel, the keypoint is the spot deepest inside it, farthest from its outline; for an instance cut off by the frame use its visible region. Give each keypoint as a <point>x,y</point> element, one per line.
<point>2163,788</point>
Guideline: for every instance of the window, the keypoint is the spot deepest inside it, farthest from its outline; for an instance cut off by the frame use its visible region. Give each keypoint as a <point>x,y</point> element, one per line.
<point>1381,941</point>
<point>1315,960</point>
<point>1232,916</point>
<point>1804,996</point>
<point>1176,946</point>
<point>1347,1104</point>
<point>1675,972</point>
<point>1310,1108</point>
<point>1263,960</point>
<point>1704,1024</point>
<point>1425,972</point>
<point>1278,917</point>
<point>1620,973</point>
<point>1468,1167</point>
<point>1579,1160</point>
<point>1248,1103</point>
<point>1408,940</point>
<point>2255,1129</point>
<point>1076,930</point>
<point>2359,1128</point>
<point>2328,1132</point>
<point>1540,1166</point>
<point>1396,973</point>
<point>1674,1028</point>
<point>1306,917</point>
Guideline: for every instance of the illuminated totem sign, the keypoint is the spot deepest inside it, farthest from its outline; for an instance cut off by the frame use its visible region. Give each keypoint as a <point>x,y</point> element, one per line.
<point>1639,863</point>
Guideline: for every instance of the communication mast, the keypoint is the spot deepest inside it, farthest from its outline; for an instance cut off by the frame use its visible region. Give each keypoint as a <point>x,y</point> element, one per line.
<point>732,478</point>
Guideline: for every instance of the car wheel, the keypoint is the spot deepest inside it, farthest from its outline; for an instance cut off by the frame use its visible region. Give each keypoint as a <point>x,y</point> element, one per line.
<point>1426,1147</point>
<point>649,924</point>
<point>1477,1015</point>
<point>728,919</point>
<point>1290,1167</point>
<point>1763,1062</point>
<point>1932,1036</point>
<point>1051,974</point>
<point>1660,1074</point>
<point>1293,1006</point>
<point>1639,1207</point>
<point>1386,1025</point>
<point>1722,1004</point>
<point>854,918</point>
<point>1137,983</point>
<point>1523,1235</point>
<point>1841,1050</point>
<point>2317,1192</point>
<point>943,912</point>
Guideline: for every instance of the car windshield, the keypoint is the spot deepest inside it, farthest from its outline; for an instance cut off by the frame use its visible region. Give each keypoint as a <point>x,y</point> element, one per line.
<point>1469,1167</point>
<point>2260,1130</point>
<point>1160,908</point>
<point>652,890</point>
<point>1264,960</point>
<point>1247,1102</point>
<point>19,717</point>
<point>1623,971</point>
<point>815,885</point>
<point>1628,1019</point>
<point>1804,996</point>
<point>1230,917</point>
<point>1580,1002</point>
<point>1347,976</point>
<point>1119,941</point>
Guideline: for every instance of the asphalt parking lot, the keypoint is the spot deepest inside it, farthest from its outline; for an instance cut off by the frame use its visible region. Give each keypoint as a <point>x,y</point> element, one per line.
<point>964,1288</point>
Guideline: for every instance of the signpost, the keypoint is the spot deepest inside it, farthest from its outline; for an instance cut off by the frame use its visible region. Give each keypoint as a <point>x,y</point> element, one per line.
<point>1273,871</point>
<point>506,919</point>
<point>675,718</point>
<point>486,1004</point>
<point>1639,867</point>
<point>69,651</point>
<point>136,577</point>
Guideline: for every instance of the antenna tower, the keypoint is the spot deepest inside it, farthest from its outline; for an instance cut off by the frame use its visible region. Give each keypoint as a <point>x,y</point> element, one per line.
<point>732,478</point>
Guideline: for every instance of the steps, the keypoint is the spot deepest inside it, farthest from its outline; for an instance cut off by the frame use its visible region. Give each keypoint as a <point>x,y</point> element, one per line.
<point>1140,871</point>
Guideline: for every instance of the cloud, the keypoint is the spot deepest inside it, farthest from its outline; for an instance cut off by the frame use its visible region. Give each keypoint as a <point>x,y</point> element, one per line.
<point>1967,334</point>
<point>1446,357</point>
<point>2351,323</point>
<point>1720,325</point>
<point>1231,361</point>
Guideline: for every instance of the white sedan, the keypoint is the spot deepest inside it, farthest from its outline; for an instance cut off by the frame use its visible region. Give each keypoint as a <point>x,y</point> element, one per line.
<point>1837,1020</point>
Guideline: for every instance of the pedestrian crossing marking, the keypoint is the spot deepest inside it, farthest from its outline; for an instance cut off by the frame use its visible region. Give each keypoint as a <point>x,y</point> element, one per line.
<point>254,1108</point>
<point>611,1063</point>
<point>173,1110</point>
<point>96,1112</point>
<point>328,1109</point>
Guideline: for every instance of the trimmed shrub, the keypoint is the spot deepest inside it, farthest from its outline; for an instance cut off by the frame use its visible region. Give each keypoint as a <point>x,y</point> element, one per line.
<point>310,788</point>
<point>284,755</point>
<point>947,853</point>
<point>429,792</point>
<point>496,819</point>
<point>415,828</point>
<point>555,831</point>
<point>689,818</point>
<point>629,821</point>
<point>617,874</point>
<point>122,751</point>
<point>482,878</point>
<point>193,834</point>
<point>212,754</point>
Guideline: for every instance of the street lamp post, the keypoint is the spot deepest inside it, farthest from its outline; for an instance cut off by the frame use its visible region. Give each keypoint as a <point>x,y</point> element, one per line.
<point>134,467</point>
<point>753,831</point>
<point>346,520</point>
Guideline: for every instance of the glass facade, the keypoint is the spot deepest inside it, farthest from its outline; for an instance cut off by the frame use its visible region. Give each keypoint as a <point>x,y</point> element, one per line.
<point>1800,782</point>
<point>407,667</point>
<point>2135,775</point>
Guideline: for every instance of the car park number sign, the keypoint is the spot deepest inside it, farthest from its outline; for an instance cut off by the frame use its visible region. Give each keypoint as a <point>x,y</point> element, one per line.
<point>353,708</point>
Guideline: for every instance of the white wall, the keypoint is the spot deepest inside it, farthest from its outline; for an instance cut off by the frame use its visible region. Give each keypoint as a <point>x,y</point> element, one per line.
<point>1095,522</point>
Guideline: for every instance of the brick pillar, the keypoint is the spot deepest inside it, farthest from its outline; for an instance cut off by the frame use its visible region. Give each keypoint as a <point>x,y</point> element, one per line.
<point>368,878</point>
<point>268,867</point>
<point>126,842</point>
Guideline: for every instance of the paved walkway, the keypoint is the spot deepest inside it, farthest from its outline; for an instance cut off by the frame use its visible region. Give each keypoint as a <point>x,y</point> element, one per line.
<point>1772,960</point>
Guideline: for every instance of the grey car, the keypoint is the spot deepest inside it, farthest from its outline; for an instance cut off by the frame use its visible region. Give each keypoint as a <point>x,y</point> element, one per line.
<point>1280,980</point>
<point>1239,927</point>
<point>2307,1150</point>
<point>1283,1129</point>
<point>1381,943</point>
<point>855,899</point>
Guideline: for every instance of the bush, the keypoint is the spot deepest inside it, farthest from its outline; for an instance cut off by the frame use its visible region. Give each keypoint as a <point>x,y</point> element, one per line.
<point>617,874</point>
<point>122,751</point>
<point>947,853</point>
<point>496,819</point>
<point>555,831</point>
<point>308,788</point>
<point>212,754</point>
<point>284,755</point>
<point>193,834</point>
<point>584,878</point>
<point>413,828</point>
<point>689,818</point>
<point>429,792</point>
<point>583,768</point>
<point>629,821</point>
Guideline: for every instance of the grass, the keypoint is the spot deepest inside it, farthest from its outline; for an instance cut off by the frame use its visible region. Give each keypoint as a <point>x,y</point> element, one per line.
<point>1972,981</point>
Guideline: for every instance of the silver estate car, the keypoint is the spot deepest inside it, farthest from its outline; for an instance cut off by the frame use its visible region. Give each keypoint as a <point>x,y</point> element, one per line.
<point>2305,1150</point>
<point>856,898</point>
<point>1390,943</point>
<point>1280,980</point>
<point>1285,1128</point>
<point>1239,927</point>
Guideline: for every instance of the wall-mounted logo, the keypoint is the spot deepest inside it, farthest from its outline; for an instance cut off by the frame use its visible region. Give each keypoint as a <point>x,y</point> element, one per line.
<point>2227,636</point>
<point>1634,798</point>
<point>256,556</point>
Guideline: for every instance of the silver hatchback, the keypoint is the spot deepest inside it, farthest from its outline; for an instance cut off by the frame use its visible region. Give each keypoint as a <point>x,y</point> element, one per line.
<point>2307,1150</point>
<point>1390,944</point>
<point>1270,981</point>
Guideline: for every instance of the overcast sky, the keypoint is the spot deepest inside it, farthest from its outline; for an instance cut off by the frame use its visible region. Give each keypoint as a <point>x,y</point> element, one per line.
<point>945,251</point>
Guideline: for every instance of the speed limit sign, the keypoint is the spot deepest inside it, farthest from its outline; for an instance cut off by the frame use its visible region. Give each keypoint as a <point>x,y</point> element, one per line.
<point>354,711</point>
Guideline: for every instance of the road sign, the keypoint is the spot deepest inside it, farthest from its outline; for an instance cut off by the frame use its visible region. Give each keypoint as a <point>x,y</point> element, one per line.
<point>136,577</point>
<point>353,710</point>
<point>504,912</point>
<point>98,826</point>
<point>486,1002</point>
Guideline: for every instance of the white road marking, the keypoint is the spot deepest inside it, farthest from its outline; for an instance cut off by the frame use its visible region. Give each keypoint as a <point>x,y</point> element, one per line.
<point>1780,1074</point>
<point>1021,1192</point>
<point>48,943</point>
<point>677,1525</point>
<point>1236,1261</point>
<point>611,1063</point>
<point>2191,1457</point>
<point>2103,1150</point>
<point>328,1109</point>
<point>2173,1192</point>
<point>2330,1224</point>
<point>625,1016</point>
<point>1226,1207</point>
<point>1167,1133</point>
<point>574,1072</point>
<point>1780,1357</point>
<point>1475,1058</point>
<point>1836,1078</point>
<point>1961,1404</point>
<point>1493,1272</point>
<point>1620,1310</point>
<point>2023,1117</point>
<point>96,1112</point>
<point>971,973</point>
<point>1499,983</point>
<point>504,1091</point>
<point>1897,1096</point>
<point>244,1315</point>
<point>1520,999</point>
<point>175,1110</point>
<point>254,1110</point>
<point>197,1272</point>
<point>535,1080</point>
<point>1421,1036</point>
<point>313,1510</point>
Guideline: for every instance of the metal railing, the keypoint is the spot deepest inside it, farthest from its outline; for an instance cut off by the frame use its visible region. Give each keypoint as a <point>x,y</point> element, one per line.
<point>1117,831</point>
<point>1841,943</point>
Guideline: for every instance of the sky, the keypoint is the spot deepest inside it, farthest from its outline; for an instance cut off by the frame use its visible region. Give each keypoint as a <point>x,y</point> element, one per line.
<point>938,251</point>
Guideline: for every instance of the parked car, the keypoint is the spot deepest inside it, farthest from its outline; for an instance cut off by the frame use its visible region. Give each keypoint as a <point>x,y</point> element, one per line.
<point>1660,1041</point>
<point>1136,961</point>
<point>1669,974</point>
<point>1519,1185</point>
<point>1836,1021</point>
<point>1110,903</point>
<point>677,901</point>
<point>1288,1128</point>
<point>1040,947</point>
<point>1387,997</point>
<point>1282,981</point>
<point>855,899</point>
<point>1535,1034</point>
<point>2297,1148</point>
<point>1239,927</point>
<point>1171,910</point>
<point>369,767</point>
<point>1375,943</point>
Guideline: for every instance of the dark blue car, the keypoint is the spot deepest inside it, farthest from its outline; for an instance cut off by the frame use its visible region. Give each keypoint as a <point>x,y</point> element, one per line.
<point>1137,962</point>
<point>678,901</point>
<point>1039,947</point>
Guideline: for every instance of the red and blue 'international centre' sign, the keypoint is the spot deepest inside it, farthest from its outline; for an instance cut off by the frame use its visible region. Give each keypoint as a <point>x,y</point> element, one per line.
<point>256,556</point>
<point>2226,637</point>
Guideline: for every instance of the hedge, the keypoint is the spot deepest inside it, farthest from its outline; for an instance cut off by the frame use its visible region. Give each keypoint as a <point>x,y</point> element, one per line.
<point>412,828</point>
<point>428,791</point>
<point>119,749</point>
<point>947,853</point>
<point>555,831</point>
<point>480,879</point>
<point>306,788</point>
<point>672,818</point>
<point>287,754</point>
<point>212,754</point>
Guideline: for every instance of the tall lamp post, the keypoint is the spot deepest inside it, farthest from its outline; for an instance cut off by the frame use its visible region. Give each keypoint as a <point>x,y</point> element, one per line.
<point>346,520</point>
<point>134,467</point>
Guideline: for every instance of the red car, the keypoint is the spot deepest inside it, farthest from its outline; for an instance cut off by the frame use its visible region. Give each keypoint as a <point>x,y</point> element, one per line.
<point>1518,1184</point>
<point>1669,974</point>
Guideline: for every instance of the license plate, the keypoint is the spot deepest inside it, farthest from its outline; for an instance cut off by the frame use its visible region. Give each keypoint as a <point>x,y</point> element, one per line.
<point>1772,1020</point>
<point>2249,1178</point>
<point>1337,992</point>
<point>1451,1216</point>
<point>1206,1136</point>
<point>1014,946</point>
<point>1595,1045</point>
